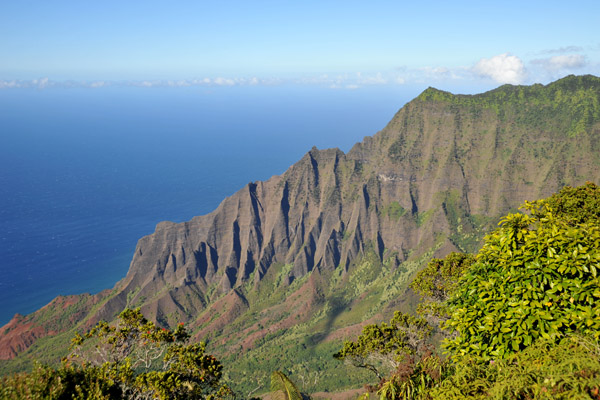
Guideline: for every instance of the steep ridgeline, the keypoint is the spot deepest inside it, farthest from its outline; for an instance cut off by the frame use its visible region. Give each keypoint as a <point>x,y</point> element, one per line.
<point>287,267</point>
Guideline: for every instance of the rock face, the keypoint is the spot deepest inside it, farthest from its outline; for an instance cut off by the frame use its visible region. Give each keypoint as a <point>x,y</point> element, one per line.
<point>434,180</point>
<point>441,154</point>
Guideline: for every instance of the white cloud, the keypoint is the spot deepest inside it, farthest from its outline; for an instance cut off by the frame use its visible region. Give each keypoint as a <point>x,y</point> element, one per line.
<point>40,83</point>
<point>360,79</point>
<point>436,72</point>
<point>351,80</point>
<point>9,84</point>
<point>223,82</point>
<point>503,68</point>
<point>562,62</point>
<point>562,50</point>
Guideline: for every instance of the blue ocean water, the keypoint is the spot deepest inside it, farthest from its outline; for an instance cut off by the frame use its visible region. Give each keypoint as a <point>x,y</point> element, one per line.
<point>84,173</point>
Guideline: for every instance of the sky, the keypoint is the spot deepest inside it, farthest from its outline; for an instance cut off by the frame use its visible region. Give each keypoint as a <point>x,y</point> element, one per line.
<point>337,44</point>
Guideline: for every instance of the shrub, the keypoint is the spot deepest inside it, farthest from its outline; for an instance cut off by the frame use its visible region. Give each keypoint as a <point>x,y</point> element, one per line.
<point>535,277</point>
<point>148,362</point>
<point>546,370</point>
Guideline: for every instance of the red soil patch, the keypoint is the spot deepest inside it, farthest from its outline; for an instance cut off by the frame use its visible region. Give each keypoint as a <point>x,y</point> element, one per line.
<point>229,307</point>
<point>351,332</point>
<point>22,331</point>
<point>18,335</point>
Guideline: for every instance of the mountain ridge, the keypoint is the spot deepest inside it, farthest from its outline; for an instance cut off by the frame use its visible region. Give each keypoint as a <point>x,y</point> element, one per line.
<point>316,247</point>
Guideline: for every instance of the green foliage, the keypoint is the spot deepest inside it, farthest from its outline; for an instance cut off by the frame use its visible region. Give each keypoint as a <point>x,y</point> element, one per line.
<point>283,388</point>
<point>524,312</point>
<point>304,349</point>
<point>535,277</point>
<point>438,280</point>
<point>466,229</point>
<point>384,347</point>
<point>421,218</point>
<point>572,205</point>
<point>148,362</point>
<point>397,150</point>
<point>67,382</point>
<point>570,105</point>
<point>401,348</point>
<point>436,283</point>
<point>393,210</point>
<point>567,370</point>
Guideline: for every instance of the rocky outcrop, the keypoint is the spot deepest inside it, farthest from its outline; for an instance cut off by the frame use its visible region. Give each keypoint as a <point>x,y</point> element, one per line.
<point>436,177</point>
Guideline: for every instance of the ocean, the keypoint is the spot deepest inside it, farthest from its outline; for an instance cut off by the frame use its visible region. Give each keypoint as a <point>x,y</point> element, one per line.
<point>84,173</point>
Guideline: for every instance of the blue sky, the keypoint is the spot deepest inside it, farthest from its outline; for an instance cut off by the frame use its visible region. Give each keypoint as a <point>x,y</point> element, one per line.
<point>339,44</point>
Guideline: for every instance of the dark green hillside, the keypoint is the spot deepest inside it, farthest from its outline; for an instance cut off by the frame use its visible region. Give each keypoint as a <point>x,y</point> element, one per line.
<point>570,105</point>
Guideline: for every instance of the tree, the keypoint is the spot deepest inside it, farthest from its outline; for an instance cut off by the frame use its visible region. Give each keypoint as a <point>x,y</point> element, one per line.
<point>401,348</point>
<point>545,370</point>
<point>537,276</point>
<point>66,382</point>
<point>436,283</point>
<point>382,348</point>
<point>148,362</point>
<point>438,280</point>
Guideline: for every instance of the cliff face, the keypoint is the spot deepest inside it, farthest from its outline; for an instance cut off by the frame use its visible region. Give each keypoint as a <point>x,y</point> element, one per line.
<point>442,158</point>
<point>434,180</point>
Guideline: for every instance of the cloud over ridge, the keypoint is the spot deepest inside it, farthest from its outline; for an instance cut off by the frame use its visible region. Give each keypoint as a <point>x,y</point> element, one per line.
<point>503,68</point>
<point>571,61</point>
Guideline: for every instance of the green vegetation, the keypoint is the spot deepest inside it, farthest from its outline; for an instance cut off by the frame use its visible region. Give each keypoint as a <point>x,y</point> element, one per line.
<point>423,217</point>
<point>303,351</point>
<point>394,211</point>
<point>384,346</point>
<point>440,277</point>
<point>401,348</point>
<point>283,388</point>
<point>544,371</point>
<point>131,359</point>
<point>67,382</point>
<point>536,276</point>
<point>436,282</point>
<point>537,106</point>
<point>521,319</point>
<point>466,229</point>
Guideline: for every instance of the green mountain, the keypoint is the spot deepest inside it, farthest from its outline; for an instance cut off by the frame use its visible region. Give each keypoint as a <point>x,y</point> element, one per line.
<point>283,270</point>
